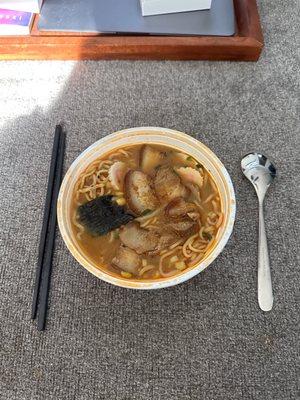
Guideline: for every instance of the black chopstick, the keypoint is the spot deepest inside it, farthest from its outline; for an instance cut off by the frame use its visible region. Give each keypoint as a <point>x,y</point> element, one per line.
<point>47,260</point>
<point>47,209</point>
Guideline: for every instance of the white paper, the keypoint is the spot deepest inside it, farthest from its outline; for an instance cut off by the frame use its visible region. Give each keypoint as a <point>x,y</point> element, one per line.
<point>33,6</point>
<point>155,7</point>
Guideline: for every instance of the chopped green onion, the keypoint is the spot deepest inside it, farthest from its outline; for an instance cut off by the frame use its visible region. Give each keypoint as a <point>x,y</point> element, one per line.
<point>190,158</point>
<point>199,166</point>
<point>116,234</point>
<point>145,212</point>
<point>207,235</point>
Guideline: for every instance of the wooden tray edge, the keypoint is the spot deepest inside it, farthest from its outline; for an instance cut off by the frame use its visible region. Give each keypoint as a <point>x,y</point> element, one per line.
<point>246,45</point>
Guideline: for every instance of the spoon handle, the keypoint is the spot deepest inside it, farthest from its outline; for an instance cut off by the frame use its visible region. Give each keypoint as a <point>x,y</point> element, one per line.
<point>264,282</point>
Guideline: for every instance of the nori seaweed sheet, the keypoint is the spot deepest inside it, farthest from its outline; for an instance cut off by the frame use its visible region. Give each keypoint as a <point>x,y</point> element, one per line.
<point>102,215</point>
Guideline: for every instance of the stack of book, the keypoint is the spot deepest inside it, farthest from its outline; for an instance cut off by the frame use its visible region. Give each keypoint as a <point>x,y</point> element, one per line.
<point>16,16</point>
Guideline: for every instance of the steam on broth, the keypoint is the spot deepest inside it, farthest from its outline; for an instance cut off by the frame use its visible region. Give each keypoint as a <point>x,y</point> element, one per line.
<point>146,212</point>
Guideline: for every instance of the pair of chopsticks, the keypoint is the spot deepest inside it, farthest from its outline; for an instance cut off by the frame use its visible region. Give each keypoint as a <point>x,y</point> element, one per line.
<point>47,238</point>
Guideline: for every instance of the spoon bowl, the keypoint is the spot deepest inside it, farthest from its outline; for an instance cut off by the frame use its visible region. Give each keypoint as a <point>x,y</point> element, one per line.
<point>260,171</point>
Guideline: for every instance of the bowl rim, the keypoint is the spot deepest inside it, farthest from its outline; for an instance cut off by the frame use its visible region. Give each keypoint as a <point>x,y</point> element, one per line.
<point>162,282</point>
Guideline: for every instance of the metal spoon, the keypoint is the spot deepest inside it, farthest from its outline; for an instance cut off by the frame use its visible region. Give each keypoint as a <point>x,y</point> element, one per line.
<point>261,171</point>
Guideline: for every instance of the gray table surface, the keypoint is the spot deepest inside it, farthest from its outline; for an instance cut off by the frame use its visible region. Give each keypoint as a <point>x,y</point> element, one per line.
<point>205,339</point>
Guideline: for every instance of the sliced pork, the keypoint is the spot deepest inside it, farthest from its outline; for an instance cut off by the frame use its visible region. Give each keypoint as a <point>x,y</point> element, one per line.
<point>150,158</point>
<point>184,226</point>
<point>167,185</point>
<point>127,260</point>
<point>117,173</point>
<point>139,193</point>
<point>190,175</point>
<point>139,239</point>
<point>179,207</point>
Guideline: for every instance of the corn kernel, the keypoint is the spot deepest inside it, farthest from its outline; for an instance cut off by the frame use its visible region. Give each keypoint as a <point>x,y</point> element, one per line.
<point>121,201</point>
<point>180,265</point>
<point>126,274</point>
<point>174,259</point>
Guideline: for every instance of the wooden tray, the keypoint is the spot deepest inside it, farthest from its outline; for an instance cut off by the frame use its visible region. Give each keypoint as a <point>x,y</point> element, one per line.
<point>246,45</point>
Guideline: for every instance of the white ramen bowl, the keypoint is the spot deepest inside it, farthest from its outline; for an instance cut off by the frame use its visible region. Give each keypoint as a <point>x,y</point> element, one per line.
<point>151,135</point>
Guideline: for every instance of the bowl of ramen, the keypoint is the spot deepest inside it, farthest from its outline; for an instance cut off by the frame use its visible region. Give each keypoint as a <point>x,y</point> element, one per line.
<point>146,208</point>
